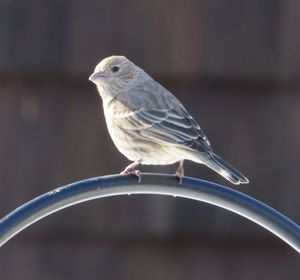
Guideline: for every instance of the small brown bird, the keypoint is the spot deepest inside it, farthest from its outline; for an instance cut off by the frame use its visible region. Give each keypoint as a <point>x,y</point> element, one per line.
<point>149,125</point>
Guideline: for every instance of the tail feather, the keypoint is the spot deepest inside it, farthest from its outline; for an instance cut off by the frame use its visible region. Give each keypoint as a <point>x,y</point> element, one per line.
<point>224,169</point>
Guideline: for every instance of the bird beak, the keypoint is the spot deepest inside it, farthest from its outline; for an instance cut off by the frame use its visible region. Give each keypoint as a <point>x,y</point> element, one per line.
<point>97,76</point>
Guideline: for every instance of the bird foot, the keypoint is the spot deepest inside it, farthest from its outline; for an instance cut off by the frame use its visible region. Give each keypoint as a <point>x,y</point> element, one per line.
<point>131,170</point>
<point>179,178</point>
<point>180,172</point>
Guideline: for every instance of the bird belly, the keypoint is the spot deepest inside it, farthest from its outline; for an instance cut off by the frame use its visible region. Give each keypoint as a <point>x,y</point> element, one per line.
<point>135,147</point>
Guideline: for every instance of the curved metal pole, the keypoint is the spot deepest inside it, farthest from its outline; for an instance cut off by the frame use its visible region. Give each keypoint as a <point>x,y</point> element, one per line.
<point>190,188</point>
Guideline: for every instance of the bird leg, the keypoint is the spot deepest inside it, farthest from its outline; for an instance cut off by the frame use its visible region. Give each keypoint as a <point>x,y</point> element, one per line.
<point>180,171</point>
<point>131,169</point>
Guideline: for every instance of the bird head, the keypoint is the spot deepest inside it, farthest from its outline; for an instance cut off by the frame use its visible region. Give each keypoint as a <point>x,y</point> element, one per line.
<point>114,72</point>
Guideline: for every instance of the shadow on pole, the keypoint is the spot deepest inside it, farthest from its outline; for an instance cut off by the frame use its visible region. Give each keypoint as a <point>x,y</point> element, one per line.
<point>160,184</point>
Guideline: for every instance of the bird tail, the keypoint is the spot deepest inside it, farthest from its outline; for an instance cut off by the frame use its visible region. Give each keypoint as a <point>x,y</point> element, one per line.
<point>224,169</point>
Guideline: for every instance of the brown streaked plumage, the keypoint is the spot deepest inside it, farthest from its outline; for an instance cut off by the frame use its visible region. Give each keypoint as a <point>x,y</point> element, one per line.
<point>149,125</point>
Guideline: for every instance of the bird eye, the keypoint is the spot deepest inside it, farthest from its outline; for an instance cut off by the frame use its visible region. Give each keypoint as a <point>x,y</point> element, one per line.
<point>115,69</point>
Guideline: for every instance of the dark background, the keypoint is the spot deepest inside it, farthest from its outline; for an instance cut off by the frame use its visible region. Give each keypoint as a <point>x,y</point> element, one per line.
<point>234,64</point>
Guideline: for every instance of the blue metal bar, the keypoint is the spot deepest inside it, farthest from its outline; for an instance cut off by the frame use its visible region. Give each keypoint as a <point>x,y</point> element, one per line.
<point>190,188</point>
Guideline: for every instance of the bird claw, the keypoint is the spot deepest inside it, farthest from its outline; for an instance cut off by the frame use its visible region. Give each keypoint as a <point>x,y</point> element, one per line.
<point>131,170</point>
<point>179,178</point>
<point>136,173</point>
<point>180,172</point>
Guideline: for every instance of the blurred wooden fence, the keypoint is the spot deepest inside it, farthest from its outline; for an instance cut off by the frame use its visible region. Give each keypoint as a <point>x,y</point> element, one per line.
<point>235,64</point>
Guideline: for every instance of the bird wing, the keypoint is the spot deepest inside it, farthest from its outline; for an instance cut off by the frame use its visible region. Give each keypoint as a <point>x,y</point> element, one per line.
<point>163,119</point>
<point>172,127</point>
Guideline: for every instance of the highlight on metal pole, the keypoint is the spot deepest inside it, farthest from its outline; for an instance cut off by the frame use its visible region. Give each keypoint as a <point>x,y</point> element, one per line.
<point>160,184</point>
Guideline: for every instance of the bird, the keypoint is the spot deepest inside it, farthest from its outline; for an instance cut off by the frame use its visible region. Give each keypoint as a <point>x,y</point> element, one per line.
<point>149,125</point>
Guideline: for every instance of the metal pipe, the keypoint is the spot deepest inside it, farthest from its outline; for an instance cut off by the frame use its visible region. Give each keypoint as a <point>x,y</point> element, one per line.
<point>161,184</point>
